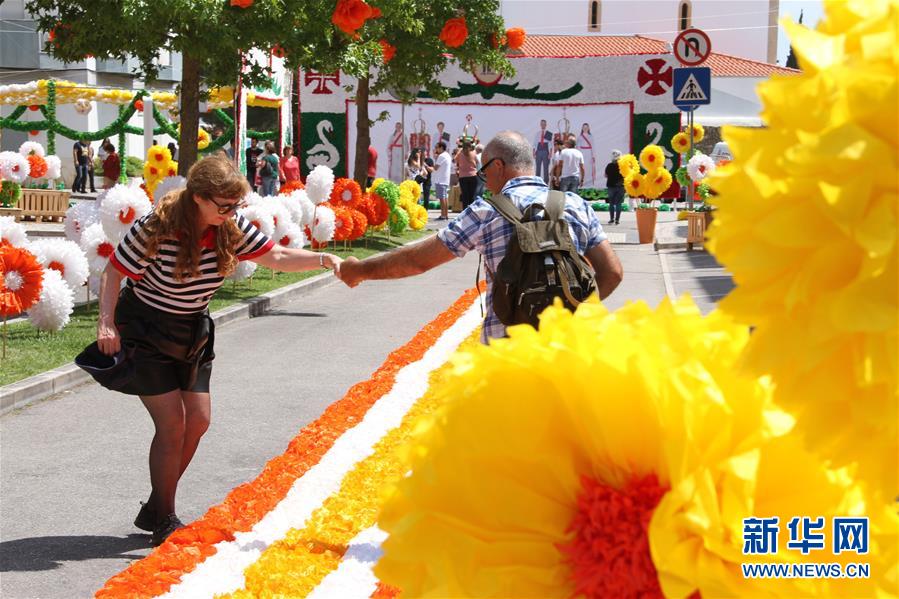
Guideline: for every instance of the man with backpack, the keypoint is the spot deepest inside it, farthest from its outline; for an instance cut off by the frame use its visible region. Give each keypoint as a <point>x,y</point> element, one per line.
<point>537,244</point>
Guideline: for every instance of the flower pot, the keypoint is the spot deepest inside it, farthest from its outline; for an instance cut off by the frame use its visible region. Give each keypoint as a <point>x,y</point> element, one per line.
<point>646,224</point>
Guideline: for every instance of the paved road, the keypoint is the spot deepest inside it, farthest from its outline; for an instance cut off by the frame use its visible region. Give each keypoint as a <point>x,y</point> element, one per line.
<point>73,467</point>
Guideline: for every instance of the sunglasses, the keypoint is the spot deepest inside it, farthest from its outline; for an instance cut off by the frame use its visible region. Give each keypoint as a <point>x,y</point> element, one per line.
<point>226,208</point>
<point>482,172</point>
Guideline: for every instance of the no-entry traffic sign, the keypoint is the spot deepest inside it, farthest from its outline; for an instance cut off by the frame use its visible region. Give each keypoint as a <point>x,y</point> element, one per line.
<point>692,47</point>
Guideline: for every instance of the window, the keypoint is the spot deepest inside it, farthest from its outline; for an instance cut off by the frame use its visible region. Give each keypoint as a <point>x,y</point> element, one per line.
<point>684,15</point>
<point>595,16</point>
<point>164,58</point>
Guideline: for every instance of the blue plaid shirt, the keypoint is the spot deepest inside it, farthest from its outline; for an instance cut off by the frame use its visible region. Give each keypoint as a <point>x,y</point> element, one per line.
<point>480,227</point>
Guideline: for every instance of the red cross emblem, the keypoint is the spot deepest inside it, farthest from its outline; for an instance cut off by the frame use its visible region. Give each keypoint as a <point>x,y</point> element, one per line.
<point>321,80</point>
<point>658,75</point>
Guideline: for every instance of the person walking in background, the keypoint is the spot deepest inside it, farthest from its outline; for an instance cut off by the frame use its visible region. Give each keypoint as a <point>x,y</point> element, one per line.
<point>101,153</point>
<point>90,167</point>
<point>372,166</point>
<point>542,142</point>
<point>268,167</point>
<point>80,159</point>
<point>290,165</point>
<point>615,187</point>
<point>252,155</point>
<point>427,174</point>
<point>112,166</point>
<point>555,164</point>
<point>441,175</point>
<point>572,163</point>
<point>467,169</point>
<point>175,258</point>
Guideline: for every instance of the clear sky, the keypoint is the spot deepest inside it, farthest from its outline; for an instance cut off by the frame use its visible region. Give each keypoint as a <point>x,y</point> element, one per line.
<point>812,12</point>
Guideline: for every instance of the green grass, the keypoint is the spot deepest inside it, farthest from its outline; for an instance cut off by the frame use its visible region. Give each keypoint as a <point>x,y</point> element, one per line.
<point>30,351</point>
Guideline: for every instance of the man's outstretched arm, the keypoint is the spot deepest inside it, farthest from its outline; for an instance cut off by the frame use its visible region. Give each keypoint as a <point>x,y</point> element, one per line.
<point>403,262</point>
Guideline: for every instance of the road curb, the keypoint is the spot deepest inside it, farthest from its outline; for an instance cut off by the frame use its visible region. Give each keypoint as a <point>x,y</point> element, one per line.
<point>41,386</point>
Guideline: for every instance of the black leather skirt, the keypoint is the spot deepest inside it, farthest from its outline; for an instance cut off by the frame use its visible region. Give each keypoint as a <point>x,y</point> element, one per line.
<point>173,351</point>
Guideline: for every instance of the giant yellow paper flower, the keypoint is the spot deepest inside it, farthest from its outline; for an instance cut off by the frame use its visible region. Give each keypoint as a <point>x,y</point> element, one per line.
<point>628,164</point>
<point>807,222</point>
<point>652,157</point>
<point>610,455</point>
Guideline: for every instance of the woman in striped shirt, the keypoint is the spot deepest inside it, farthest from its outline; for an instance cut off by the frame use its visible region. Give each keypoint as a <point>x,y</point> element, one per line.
<point>175,259</point>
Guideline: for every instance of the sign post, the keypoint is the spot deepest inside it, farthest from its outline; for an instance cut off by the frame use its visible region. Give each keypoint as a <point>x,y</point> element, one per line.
<point>692,85</point>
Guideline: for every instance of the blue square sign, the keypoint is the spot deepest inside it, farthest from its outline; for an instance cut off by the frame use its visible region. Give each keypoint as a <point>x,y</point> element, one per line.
<point>692,87</point>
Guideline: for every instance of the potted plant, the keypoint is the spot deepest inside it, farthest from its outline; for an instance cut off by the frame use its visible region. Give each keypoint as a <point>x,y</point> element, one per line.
<point>645,186</point>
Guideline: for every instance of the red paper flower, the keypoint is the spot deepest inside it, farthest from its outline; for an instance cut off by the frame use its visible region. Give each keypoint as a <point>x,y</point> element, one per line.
<point>21,280</point>
<point>38,166</point>
<point>350,15</point>
<point>139,104</point>
<point>454,32</point>
<point>105,249</point>
<point>32,132</point>
<point>34,108</point>
<point>126,216</point>
<point>515,37</point>
<point>496,42</point>
<point>387,50</point>
<point>242,3</point>
<point>278,51</point>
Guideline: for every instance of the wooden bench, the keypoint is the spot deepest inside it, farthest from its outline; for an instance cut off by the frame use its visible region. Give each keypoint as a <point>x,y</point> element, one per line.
<point>43,204</point>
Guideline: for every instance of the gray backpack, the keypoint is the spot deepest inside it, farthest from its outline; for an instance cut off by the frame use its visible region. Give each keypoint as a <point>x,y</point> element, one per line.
<point>541,263</point>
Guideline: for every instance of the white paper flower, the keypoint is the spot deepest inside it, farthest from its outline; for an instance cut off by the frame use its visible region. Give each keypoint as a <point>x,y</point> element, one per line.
<point>54,167</point>
<point>307,206</point>
<point>14,167</point>
<point>52,310</point>
<point>700,166</point>
<point>63,256</point>
<point>31,147</point>
<point>166,185</point>
<point>120,208</point>
<point>254,199</point>
<point>79,217</point>
<point>260,217</point>
<point>319,184</point>
<point>244,270</point>
<point>280,216</point>
<point>325,223</point>
<point>293,207</point>
<point>82,106</point>
<point>97,247</point>
<point>12,232</point>
<point>292,237</point>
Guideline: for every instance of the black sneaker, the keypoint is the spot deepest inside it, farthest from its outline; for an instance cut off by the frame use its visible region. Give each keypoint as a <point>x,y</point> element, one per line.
<point>164,528</point>
<point>146,517</point>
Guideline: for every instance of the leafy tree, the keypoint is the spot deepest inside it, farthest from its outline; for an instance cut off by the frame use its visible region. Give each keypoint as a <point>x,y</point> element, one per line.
<point>397,46</point>
<point>210,35</point>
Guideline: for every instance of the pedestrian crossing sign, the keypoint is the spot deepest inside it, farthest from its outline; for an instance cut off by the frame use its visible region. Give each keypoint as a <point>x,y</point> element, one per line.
<point>692,87</point>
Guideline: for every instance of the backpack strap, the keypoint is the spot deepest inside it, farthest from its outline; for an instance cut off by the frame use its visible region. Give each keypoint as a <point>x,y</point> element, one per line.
<point>555,205</point>
<point>506,208</point>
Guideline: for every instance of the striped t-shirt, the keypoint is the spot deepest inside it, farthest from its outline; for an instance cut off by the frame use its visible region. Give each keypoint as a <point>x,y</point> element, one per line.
<point>153,280</point>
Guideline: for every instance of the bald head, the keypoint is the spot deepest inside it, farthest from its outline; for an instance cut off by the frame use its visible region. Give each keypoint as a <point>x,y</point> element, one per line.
<point>514,150</point>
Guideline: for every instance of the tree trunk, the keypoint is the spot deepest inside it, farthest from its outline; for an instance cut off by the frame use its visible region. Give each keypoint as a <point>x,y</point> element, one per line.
<point>363,138</point>
<point>190,114</point>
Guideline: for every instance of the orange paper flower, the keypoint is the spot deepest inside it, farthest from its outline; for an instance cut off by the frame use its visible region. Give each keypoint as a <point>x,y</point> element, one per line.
<point>291,186</point>
<point>21,279</point>
<point>454,32</point>
<point>387,50</point>
<point>38,166</point>
<point>242,3</point>
<point>360,224</point>
<point>515,37</point>
<point>346,193</point>
<point>343,221</point>
<point>350,15</point>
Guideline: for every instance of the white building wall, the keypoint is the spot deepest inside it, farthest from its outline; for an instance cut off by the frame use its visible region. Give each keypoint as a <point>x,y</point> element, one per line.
<point>738,27</point>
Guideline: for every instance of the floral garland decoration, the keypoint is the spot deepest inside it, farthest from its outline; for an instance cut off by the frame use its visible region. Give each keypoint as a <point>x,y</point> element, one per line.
<point>21,280</point>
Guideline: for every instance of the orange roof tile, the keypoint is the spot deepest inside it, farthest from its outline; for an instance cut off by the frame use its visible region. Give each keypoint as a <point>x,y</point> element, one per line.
<point>581,46</point>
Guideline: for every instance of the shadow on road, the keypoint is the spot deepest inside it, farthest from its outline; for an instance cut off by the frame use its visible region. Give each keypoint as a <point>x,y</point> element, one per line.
<point>47,553</point>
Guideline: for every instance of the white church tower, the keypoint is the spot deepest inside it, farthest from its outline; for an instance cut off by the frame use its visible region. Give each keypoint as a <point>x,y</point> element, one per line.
<point>744,28</point>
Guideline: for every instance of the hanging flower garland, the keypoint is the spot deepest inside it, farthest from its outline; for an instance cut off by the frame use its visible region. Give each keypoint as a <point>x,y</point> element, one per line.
<point>454,32</point>
<point>346,193</point>
<point>21,280</point>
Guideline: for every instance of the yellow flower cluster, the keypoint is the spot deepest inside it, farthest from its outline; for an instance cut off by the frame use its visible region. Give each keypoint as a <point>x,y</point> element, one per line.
<point>807,221</point>
<point>410,191</point>
<point>498,472</point>
<point>654,182</point>
<point>317,549</point>
<point>158,166</point>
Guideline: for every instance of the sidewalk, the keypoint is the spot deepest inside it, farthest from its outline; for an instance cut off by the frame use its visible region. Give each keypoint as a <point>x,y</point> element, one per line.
<point>73,467</point>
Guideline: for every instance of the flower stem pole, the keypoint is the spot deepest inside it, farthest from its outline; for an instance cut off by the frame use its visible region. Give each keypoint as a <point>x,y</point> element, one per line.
<point>690,155</point>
